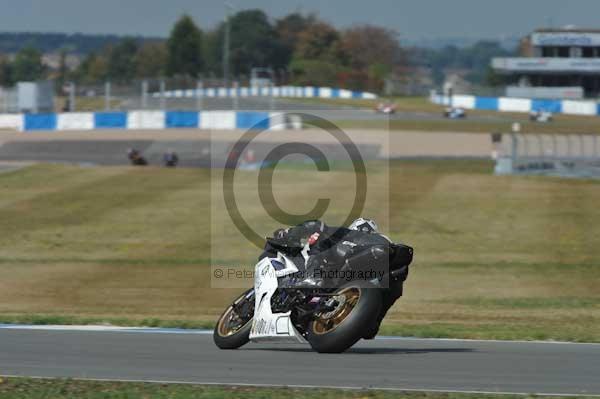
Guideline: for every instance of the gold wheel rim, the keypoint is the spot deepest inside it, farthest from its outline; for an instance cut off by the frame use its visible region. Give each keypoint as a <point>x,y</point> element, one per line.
<point>328,322</point>
<point>225,327</point>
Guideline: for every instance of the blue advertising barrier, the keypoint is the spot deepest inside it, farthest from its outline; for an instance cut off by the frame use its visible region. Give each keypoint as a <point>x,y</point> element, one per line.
<point>252,120</point>
<point>182,119</point>
<point>487,103</point>
<point>110,120</point>
<point>40,122</point>
<point>554,106</point>
<point>507,104</point>
<point>148,119</point>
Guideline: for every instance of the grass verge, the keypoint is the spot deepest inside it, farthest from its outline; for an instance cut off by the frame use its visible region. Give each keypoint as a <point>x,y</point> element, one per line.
<point>88,104</point>
<point>496,257</point>
<point>28,388</point>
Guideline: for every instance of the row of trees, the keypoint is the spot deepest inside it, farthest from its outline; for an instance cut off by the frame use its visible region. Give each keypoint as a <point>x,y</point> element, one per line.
<point>27,65</point>
<point>77,43</point>
<point>475,58</point>
<point>300,48</point>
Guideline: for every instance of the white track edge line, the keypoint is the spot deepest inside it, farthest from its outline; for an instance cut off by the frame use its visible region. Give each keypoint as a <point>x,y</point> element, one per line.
<point>157,330</point>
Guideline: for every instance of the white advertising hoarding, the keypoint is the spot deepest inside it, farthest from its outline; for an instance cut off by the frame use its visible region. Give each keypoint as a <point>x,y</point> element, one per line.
<point>523,64</point>
<point>570,39</point>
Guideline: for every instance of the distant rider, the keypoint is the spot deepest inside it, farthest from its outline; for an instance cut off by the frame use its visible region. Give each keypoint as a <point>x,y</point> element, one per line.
<point>170,159</point>
<point>136,158</point>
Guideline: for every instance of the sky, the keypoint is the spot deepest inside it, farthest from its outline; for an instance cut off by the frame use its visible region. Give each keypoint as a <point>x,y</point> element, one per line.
<point>412,19</point>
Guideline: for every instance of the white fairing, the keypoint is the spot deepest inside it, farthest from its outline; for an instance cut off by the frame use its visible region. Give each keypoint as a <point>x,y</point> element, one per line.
<point>266,325</point>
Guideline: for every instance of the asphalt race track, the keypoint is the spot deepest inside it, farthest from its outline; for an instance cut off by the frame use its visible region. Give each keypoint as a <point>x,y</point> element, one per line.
<point>388,363</point>
<point>196,147</point>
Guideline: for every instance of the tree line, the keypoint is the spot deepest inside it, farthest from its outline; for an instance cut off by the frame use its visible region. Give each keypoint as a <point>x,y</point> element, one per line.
<point>48,42</point>
<point>475,59</point>
<point>300,49</point>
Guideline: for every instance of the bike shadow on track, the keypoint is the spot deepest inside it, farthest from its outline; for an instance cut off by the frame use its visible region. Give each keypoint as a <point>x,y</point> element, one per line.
<point>368,351</point>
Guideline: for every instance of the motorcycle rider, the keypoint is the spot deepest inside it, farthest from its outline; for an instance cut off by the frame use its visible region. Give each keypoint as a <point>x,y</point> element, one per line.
<point>170,159</point>
<point>315,247</point>
<point>136,158</point>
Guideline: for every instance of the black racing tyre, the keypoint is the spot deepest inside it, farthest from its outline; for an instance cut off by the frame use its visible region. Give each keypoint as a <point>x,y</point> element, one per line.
<point>233,330</point>
<point>338,330</point>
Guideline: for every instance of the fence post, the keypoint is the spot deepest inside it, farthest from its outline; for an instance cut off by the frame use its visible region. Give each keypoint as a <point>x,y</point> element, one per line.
<point>72,89</point>
<point>541,142</point>
<point>595,146</point>
<point>515,148</point>
<point>526,146</point>
<point>271,96</point>
<point>144,94</point>
<point>4,94</point>
<point>200,95</point>
<point>163,99</point>
<point>107,96</point>
<point>234,95</point>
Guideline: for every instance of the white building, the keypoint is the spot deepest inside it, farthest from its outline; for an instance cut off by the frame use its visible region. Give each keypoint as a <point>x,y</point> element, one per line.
<point>554,63</point>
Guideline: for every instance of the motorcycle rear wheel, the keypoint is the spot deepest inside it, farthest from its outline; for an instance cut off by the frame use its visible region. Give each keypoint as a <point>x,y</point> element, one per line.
<point>336,331</point>
<point>233,330</point>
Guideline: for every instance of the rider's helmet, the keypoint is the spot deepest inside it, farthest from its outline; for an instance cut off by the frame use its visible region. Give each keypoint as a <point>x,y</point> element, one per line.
<point>314,226</point>
<point>364,225</point>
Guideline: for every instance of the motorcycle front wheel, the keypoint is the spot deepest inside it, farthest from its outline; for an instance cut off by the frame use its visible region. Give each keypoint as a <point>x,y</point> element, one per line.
<point>233,328</point>
<point>358,305</point>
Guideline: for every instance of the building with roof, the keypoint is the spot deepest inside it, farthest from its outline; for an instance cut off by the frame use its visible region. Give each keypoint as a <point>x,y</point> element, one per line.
<point>554,63</point>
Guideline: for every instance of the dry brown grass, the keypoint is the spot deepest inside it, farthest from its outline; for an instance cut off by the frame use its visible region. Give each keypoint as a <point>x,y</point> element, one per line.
<point>87,104</point>
<point>496,257</point>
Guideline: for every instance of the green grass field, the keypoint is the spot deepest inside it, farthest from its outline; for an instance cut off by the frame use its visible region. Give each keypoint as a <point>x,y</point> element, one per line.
<point>23,388</point>
<point>496,257</point>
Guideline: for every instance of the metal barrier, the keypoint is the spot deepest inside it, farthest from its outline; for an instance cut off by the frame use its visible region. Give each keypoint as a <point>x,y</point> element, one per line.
<point>570,155</point>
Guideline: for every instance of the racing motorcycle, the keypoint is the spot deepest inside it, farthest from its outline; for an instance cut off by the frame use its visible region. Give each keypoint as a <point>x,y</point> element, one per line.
<point>386,108</point>
<point>136,158</point>
<point>342,298</point>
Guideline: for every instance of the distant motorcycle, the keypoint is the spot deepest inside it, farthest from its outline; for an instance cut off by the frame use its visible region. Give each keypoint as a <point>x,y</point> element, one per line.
<point>171,159</point>
<point>386,108</point>
<point>287,306</point>
<point>136,158</point>
<point>455,113</point>
<point>540,116</point>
